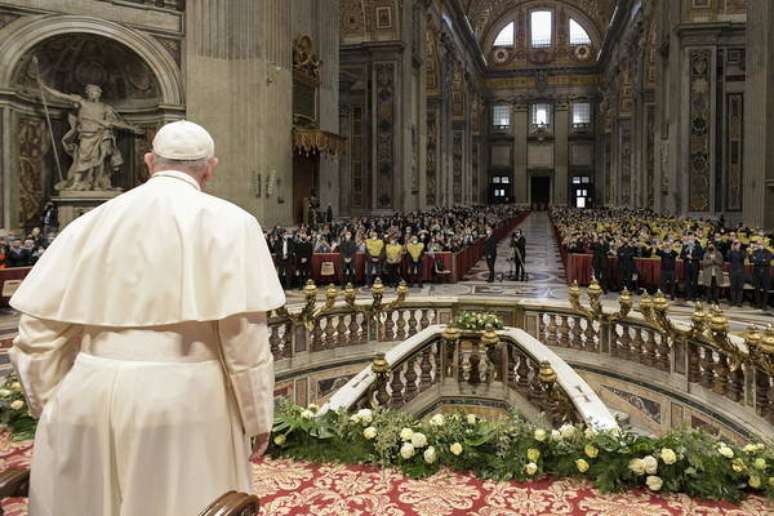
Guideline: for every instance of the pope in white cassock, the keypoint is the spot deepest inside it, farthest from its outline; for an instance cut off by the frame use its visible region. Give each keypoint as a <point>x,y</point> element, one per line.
<point>143,346</point>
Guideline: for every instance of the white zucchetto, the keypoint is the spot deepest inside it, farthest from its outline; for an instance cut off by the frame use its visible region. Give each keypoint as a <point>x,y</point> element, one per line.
<point>183,141</point>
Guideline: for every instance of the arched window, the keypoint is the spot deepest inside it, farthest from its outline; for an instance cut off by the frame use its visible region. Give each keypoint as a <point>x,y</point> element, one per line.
<point>505,38</point>
<point>578,36</point>
<point>541,25</point>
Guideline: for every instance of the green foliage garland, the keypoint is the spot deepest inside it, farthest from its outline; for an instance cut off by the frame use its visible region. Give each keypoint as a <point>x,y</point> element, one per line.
<point>14,413</point>
<point>687,461</point>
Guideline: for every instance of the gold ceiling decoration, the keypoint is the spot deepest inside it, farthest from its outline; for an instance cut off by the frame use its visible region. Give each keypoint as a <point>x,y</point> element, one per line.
<point>314,141</point>
<point>483,13</point>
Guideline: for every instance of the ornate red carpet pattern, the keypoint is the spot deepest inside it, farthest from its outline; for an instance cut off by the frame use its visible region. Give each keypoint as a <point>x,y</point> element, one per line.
<point>297,488</point>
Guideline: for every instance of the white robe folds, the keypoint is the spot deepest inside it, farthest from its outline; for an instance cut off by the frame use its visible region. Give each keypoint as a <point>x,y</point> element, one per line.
<point>143,347</point>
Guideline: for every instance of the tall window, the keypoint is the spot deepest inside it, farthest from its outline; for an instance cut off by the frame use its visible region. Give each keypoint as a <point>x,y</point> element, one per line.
<point>541,28</point>
<point>505,38</point>
<point>578,36</point>
<point>541,115</point>
<point>581,114</point>
<point>501,116</point>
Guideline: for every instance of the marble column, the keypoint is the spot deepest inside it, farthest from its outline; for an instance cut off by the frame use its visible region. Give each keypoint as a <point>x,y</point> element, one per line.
<point>520,179</point>
<point>758,197</point>
<point>239,86</point>
<point>561,152</point>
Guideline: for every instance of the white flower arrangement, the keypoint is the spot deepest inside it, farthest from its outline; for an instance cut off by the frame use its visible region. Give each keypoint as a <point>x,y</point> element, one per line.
<point>531,468</point>
<point>567,431</point>
<point>430,455</point>
<point>637,466</point>
<point>369,433</point>
<point>471,419</point>
<point>556,435</point>
<point>540,435</point>
<point>654,483</point>
<point>407,450</point>
<point>307,414</point>
<point>668,456</point>
<point>651,464</point>
<point>406,434</point>
<point>533,454</point>
<point>456,449</point>
<point>419,440</point>
<point>725,451</point>
<point>437,420</point>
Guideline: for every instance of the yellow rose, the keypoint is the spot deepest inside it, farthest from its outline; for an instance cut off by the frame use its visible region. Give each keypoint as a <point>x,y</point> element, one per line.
<point>760,463</point>
<point>726,452</point>
<point>17,405</point>
<point>279,440</point>
<point>533,454</point>
<point>540,435</point>
<point>754,482</point>
<point>668,456</point>
<point>456,448</point>
<point>16,386</point>
<point>591,451</point>
<point>582,465</point>
<point>637,466</point>
<point>369,433</point>
<point>737,465</point>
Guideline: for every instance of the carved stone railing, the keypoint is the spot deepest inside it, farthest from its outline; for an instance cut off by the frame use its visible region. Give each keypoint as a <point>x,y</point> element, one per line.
<point>508,366</point>
<point>177,5</point>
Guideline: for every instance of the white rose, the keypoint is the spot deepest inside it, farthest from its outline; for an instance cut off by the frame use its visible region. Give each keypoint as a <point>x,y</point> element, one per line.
<point>590,433</point>
<point>354,418</point>
<point>531,468</point>
<point>555,435</point>
<point>654,483</point>
<point>365,415</point>
<point>430,455</point>
<point>472,419</point>
<point>668,456</point>
<point>540,435</point>
<point>651,464</point>
<point>406,434</point>
<point>637,466</point>
<point>16,386</point>
<point>726,452</point>
<point>437,420</point>
<point>456,448</point>
<point>407,451</point>
<point>17,405</point>
<point>418,440</point>
<point>369,433</point>
<point>748,448</point>
<point>567,431</point>
<point>760,463</point>
<point>307,414</point>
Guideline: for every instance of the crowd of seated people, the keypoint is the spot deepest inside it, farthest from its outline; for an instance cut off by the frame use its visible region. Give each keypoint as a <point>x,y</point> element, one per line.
<point>703,245</point>
<point>388,242</point>
<point>16,251</point>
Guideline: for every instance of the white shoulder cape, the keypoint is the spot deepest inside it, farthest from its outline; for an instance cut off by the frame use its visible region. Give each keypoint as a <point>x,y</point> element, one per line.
<point>162,253</point>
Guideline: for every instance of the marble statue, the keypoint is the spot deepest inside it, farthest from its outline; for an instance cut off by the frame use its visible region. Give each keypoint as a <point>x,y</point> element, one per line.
<point>91,141</point>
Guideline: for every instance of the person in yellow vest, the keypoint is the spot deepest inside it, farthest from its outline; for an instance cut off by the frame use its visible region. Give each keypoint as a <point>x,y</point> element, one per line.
<point>416,252</point>
<point>374,257</point>
<point>394,252</point>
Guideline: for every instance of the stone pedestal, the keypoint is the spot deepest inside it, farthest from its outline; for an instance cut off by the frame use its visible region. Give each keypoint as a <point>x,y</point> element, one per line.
<point>73,204</point>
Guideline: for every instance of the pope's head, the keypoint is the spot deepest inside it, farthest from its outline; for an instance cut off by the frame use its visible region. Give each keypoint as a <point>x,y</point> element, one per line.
<point>185,147</point>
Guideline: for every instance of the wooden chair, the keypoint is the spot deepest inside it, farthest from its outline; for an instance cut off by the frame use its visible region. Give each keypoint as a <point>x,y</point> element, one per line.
<point>439,272</point>
<point>16,482</point>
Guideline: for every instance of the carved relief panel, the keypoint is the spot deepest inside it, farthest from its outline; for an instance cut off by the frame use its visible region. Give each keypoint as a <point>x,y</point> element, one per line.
<point>700,101</point>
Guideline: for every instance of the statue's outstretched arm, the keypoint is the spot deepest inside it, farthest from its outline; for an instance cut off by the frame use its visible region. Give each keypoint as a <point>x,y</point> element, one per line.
<point>75,99</point>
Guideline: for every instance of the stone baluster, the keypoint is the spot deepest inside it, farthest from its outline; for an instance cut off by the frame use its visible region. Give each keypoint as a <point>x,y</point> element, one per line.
<point>389,327</point>
<point>662,346</point>
<point>707,364</point>
<point>511,373</point>
<point>523,371</point>
<point>551,332</point>
<point>564,332</point>
<point>640,353</point>
<point>720,381</point>
<point>592,336</point>
<point>330,333</point>
<point>475,366</point>
<point>413,323</point>
<point>274,342</point>
<point>761,393</point>
<point>576,334</point>
<point>411,378</point>
<point>401,325</point>
<point>354,329</point>
<point>769,415</point>
<point>625,342</point>
<point>736,384</point>
<point>342,339</point>
<point>424,322</point>
<point>370,328</point>
<point>651,357</point>
<point>396,388</point>
<point>317,342</point>
<point>425,379</point>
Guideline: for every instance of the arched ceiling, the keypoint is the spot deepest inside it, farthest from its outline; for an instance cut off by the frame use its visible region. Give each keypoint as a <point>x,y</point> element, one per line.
<point>482,13</point>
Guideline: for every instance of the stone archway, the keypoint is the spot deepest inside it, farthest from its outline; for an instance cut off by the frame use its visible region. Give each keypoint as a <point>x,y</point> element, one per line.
<point>140,80</point>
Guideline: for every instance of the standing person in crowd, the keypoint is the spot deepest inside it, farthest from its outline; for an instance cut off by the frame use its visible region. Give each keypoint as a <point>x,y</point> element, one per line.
<point>374,257</point>
<point>50,218</point>
<point>626,254</point>
<point>394,254</point>
<point>302,251</point>
<point>490,251</point>
<point>712,264</point>
<point>736,258</point>
<point>600,251</point>
<point>520,255</point>
<point>668,257</point>
<point>283,250</point>
<point>348,249</point>
<point>691,256</point>
<point>761,262</point>
<point>17,255</point>
<point>416,252</point>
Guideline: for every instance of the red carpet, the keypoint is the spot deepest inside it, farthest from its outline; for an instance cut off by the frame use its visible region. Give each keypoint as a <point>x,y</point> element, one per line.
<point>297,488</point>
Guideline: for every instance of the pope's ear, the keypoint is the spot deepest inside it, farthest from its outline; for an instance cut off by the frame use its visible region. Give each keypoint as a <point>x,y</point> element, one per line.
<point>150,160</point>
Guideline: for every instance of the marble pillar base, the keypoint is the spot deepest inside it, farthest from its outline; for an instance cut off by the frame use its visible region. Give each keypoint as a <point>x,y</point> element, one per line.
<point>73,204</point>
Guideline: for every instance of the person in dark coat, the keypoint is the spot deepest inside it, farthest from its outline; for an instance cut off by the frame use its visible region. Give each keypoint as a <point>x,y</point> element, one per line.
<point>17,256</point>
<point>50,218</point>
<point>520,255</point>
<point>668,263</point>
<point>626,267</point>
<point>600,250</point>
<point>691,256</point>
<point>282,250</point>
<point>490,251</point>
<point>712,265</point>
<point>302,252</point>
<point>761,260</point>
<point>348,249</point>
<point>736,258</point>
